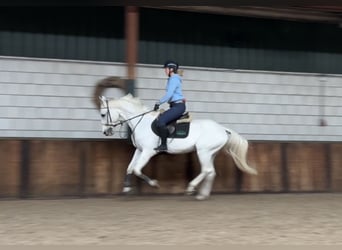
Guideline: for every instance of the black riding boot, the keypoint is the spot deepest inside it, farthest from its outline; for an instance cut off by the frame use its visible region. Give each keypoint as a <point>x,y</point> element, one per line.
<point>163,132</point>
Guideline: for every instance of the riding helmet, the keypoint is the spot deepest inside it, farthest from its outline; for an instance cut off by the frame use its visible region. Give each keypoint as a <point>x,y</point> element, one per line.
<point>171,65</point>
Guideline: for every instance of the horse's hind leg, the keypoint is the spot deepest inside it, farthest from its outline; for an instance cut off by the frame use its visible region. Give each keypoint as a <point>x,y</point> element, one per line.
<point>207,184</point>
<point>195,182</point>
<point>206,176</point>
<point>199,178</point>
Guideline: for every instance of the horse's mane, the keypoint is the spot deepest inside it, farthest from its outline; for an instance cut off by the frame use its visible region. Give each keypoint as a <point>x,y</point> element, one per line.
<point>135,101</point>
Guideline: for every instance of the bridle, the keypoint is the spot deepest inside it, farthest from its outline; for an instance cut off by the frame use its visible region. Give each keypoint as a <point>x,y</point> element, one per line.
<point>121,122</point>
<point>109,116</point>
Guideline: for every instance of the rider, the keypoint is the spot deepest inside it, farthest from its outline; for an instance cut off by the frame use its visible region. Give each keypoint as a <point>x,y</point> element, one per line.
<point>175,99</point>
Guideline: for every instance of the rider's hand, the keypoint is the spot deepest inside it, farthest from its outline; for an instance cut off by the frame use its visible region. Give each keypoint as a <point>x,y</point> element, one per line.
<point>156,107</point>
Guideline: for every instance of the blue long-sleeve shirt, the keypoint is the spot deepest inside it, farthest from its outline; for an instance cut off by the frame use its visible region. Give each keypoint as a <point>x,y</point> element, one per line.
<point>173,90</point>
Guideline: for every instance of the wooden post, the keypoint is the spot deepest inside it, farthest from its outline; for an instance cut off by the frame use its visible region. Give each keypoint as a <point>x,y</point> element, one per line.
<point>25,169</point>
<point>132,36</point>
<point>284,167</point>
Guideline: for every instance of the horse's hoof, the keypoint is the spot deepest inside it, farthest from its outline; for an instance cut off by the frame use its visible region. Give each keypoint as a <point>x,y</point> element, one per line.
<point>190,191</point>
<point>201,197</point>
<point>126,190</point>
<point>154,183</point>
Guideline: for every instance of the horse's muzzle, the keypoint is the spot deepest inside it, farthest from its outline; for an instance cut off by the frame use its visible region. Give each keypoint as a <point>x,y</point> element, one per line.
<point>109,131</point>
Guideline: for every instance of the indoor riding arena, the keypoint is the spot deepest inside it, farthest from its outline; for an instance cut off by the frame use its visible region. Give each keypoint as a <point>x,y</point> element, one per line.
<point>224,220</point>
<point>273,75</point>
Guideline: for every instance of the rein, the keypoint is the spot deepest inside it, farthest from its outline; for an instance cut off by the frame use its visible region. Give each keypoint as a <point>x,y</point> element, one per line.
<point>111,124</point>
<point>124,121</point>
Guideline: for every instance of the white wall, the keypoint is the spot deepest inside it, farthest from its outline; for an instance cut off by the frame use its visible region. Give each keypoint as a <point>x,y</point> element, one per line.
<point>259,105</point>
<point>53,99</point>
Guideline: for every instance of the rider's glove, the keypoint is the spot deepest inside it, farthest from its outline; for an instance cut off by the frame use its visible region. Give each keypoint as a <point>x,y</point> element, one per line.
<point>156,107</point>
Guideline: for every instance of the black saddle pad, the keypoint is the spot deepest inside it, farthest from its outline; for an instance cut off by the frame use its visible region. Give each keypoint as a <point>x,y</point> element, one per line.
<point>176,130</point>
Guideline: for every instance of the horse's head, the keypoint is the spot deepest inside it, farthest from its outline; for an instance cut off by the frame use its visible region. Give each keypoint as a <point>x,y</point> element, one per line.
<point>109,116</point>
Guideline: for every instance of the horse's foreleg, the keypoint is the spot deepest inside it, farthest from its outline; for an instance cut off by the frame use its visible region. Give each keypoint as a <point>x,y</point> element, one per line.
<point>140,164</point>
<point>148,180</point>
<point>127,182</point>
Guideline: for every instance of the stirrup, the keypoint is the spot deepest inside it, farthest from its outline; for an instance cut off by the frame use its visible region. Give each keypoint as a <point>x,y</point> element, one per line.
<point>161,148</point>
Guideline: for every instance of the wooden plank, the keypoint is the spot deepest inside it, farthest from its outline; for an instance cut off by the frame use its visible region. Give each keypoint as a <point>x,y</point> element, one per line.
<point>54,168</point>
<point>25,169</point>
<point>97,170</point>
<point>306,164</point>
<point>121,153</point>
<point>225,181</point>
<point>10,161</point>
<point>319,166</point>
<point>266,158</point>
<point>170,171</point>
<point>107,164</point>
<point>336,167</point>
<point>64,168</point>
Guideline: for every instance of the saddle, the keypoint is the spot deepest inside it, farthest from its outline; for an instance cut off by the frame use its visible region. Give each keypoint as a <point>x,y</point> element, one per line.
<point>178,128</point>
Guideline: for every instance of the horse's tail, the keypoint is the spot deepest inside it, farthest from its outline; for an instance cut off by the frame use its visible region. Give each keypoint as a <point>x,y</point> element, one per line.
<point>237,147</point>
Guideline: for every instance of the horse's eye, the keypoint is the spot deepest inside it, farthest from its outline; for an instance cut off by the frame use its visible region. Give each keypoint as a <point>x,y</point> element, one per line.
<point>103,115</point>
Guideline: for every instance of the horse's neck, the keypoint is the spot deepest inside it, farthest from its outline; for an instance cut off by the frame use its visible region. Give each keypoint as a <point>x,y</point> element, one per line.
<point>145,119</point>
<point>134,115</point>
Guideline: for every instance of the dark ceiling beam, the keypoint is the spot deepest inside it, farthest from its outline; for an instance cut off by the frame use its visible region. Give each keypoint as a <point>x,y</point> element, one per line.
<point>289,13</point>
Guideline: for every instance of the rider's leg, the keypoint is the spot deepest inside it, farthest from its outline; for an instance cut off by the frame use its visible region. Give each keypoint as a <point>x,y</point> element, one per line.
<point>163,133</point>
<point>171,114</point>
